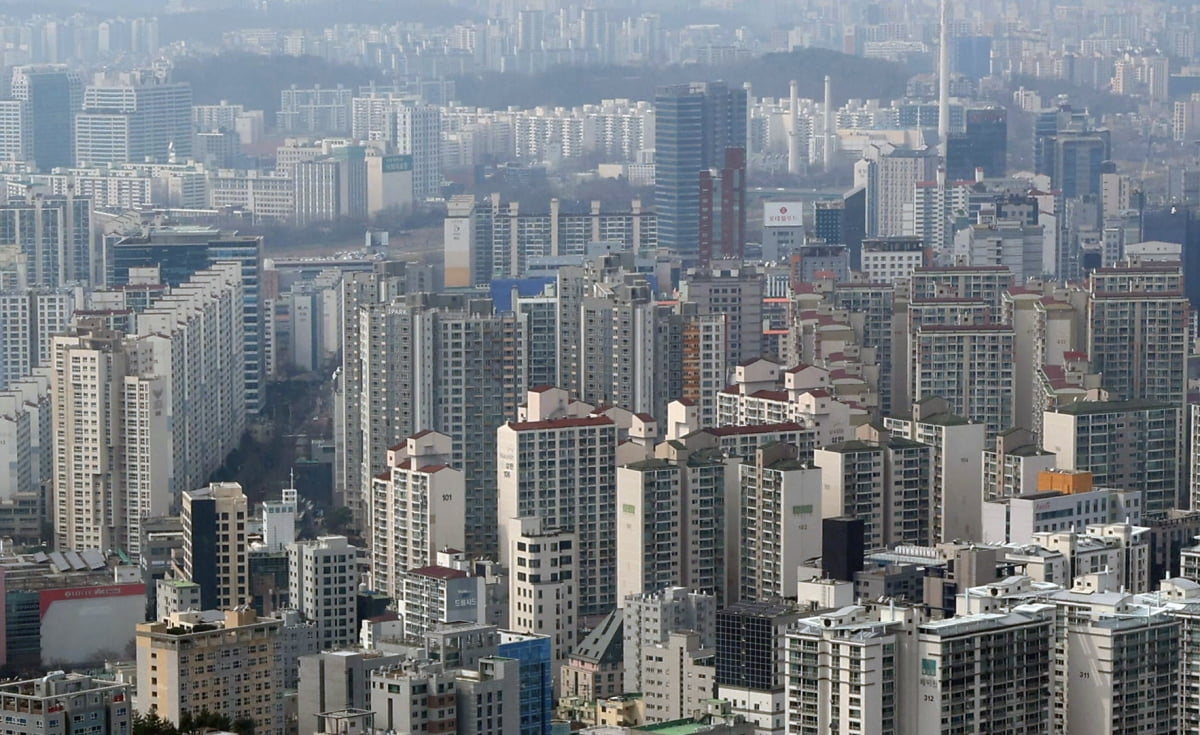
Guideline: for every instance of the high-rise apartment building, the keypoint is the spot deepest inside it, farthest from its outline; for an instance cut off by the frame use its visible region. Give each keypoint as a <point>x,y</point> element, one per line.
<point>215,544</point>
<point>958,446</point>
<point>694,125</point>
<point>134,120</point>
<point>649,619</point>
<point>174,404</point>
<point>889,176</point>
<point>55,235</point>
<point>562,470</point>
<point>29,320</point>
<point>53,96</point>
<point>671,529</point>
<point>1137,330</point>
<point>970,367</point>
<point>179,252</point>
<point>187,664</point>
<point>446,362</point>
<point>1133,445</point>
<point>780,521</point>
<point>884,482</point>
<point>323,583</point>
<point>418,507</point>
<point>409,127</point>
<point>735,291</point>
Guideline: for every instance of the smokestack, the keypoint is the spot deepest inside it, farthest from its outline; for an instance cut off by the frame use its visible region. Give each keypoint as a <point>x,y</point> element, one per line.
<point>793,133</point>
<point>827,154</point>
<point>944,78</point>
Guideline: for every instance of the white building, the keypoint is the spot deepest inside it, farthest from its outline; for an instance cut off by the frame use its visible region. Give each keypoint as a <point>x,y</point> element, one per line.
<point>544,587</point>
<point>562,470</point>
<point>780,521</point>
<point>648,619</point>
<point>1016,519</point>
<point>956,474</point>
<point>418,508</point>
<point>323,584</point>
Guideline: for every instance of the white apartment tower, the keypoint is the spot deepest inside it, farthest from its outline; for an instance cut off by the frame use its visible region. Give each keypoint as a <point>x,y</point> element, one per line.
<point>674,522</point>
<point>562,470</point>
<point>418,507</point>
<point>780,516</point>
<point>956,476</point>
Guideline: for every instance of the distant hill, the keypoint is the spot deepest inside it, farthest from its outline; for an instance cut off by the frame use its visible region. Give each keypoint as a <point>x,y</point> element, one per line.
<point>255,80</point>
<point>770,75</point>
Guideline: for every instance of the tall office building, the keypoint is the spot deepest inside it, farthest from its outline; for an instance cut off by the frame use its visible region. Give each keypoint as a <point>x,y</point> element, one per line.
<point>562,470</point>
<point>694,125</point>
<point>53,95</point>
<point>179,252</point>
<point>751,657</point>
<point>134,121</point>
<point>723,208</point>
<point>983,145</point>
<point>1137,331</point>
<point>215,544</point>
<point>323,583</point>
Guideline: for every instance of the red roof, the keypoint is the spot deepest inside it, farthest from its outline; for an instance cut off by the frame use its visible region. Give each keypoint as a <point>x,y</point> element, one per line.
<point>570,423</point>
<point>541,388</point>
<point>770,395</point>
<point>756,429</point>
<point>421,433</point>
<point>644,416</point>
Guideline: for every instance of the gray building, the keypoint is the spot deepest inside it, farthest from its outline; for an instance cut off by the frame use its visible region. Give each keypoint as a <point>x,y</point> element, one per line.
<point>336,680</point>
<point>649,619</point>
<point>59,704</point>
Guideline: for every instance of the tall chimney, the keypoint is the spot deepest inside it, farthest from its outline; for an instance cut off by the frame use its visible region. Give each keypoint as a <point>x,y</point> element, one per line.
<point>827,154</point>
<point>944,78</point>
<point>793,141</point>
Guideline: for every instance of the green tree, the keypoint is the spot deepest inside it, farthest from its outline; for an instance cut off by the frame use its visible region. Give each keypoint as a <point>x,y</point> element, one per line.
<point>152,724</point>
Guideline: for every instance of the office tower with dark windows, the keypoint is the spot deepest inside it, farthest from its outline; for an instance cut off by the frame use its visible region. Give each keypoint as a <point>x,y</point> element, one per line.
<point>694,125</point>
<point>52,94</point>
<point>983,145</point>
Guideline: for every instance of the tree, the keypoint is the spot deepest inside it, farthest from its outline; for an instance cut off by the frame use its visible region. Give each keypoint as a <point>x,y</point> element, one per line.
<point>205,719</point>
<point>152,724</point>
<point>339,519</point>
<point>243,726</point>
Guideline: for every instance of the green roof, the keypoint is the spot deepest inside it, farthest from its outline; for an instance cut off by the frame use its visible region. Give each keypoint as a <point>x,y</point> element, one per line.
<point>676,727</point>
<point>645,465</point>
<point>854,445</point>
<point>945,419</point>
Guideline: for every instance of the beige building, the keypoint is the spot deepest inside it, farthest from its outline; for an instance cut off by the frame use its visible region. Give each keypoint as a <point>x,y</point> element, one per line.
<point>215,545</point>
<point>220,661</point>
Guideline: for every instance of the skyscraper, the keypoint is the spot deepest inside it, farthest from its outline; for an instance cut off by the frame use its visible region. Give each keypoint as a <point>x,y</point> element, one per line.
<point>215,545</point>
<point>134,121</point>
<point>694,125</point>
<point>53,95</point>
